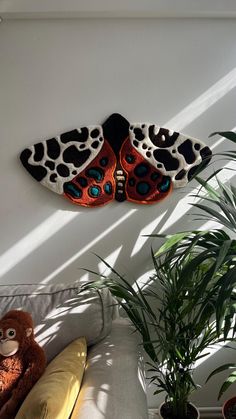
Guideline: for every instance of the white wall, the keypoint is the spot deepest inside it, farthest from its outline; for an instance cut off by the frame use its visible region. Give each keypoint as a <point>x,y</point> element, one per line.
<point>39,9</point>
<point>61,74</point>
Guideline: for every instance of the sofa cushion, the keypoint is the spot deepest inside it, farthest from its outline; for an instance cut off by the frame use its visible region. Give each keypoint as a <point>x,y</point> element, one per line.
<point>114,383</point>
<point>61,313</point>
<point>55,393</point>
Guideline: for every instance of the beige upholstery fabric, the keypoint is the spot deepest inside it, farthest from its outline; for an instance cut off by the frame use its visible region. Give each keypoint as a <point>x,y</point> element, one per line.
<point>60,314</point>
<point>113,385</point>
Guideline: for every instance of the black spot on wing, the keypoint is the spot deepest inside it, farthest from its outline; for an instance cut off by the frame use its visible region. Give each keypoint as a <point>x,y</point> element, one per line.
<point>180,175</point>
<point>186,149</point>
<point>50,164</point>
<point>139,134</point>
<point>206,154</point>
<point>192,172</point>
<point>165,157</point>
<point>38,152</point>
<point>63,170</point>
<point>53,148</point>
<point>95,144</point>
<point>75,135</point>
<point>38,172</point>
<point>78,158</point>
<point>53,178</point>
<point>163,138</point>
<point>95,133</point>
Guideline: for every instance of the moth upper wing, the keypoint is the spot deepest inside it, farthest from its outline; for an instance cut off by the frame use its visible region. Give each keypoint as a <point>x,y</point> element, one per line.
<point>58,160</point>
<point>78,164</point>
<point>174,154</point>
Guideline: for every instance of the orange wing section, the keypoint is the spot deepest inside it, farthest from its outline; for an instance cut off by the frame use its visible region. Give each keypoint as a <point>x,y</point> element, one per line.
<point>95,185</point>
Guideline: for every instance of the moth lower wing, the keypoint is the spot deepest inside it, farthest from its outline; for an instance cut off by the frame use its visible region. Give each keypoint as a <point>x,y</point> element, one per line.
<point>174,154</point>
<point>144,183</point>
<point>95,185</point>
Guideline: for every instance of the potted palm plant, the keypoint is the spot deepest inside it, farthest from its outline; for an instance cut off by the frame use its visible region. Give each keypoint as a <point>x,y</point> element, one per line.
<point>220,206</point>
<point>225,200</point>
<point>173,313</point>
<point>187,305</point>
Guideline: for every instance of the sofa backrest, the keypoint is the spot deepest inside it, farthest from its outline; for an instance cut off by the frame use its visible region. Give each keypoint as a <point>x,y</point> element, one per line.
<point>61,313</point>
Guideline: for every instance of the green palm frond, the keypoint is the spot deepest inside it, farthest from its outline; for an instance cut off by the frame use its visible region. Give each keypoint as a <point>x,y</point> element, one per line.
<point>230,135</point>
<point>222,208</point>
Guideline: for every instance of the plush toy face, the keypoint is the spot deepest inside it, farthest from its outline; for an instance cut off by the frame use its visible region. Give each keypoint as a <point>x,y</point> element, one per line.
<point>12,336</point>
<point>22,361</point>
<point>8,344</point>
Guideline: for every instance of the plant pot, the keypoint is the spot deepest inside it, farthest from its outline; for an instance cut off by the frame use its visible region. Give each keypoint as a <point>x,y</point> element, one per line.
<point>229,408</point>
<point>192,411</point>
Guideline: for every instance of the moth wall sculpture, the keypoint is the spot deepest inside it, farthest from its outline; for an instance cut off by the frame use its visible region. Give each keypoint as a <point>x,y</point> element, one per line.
<point>91,166</point>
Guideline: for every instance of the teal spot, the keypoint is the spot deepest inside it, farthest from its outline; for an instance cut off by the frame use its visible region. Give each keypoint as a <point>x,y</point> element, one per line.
<point>129,158</point>
<point>82,181</point>
<point>104,161</point>
<point>72,190</point>
<point>95,173</point>
<point>94,191</point>
<point>108,188</point>
<point>143,188</point>
<point>132,181</point>
<point>165,185</point>
<point>141,170</point>
<point>155,176</point>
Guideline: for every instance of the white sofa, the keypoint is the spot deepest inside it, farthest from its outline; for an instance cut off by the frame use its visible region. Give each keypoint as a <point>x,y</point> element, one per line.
<point>113,385</point>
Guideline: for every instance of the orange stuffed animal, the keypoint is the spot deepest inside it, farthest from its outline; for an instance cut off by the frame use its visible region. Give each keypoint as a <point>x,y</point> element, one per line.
<point>22,361</point>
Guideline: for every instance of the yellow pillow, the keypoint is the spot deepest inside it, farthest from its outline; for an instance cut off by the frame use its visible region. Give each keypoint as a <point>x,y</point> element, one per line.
<point>55,393</point>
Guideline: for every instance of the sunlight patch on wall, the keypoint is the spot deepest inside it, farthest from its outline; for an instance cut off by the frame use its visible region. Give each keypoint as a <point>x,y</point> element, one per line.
<point>209,353</point>
<point>84,278</point>
<point>210,225</point>
<point>184,204</point>
<point>111,260</point>
<point>144,280</point>
<point>88,246</point>
<point>34,239</point>
<point>203,102</point>
<point>148,229</point>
